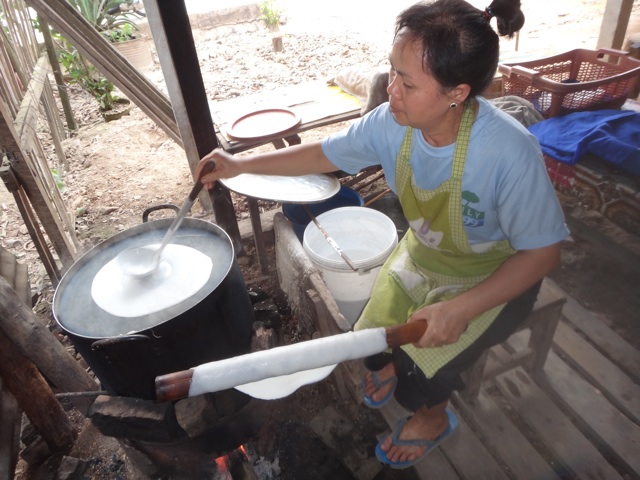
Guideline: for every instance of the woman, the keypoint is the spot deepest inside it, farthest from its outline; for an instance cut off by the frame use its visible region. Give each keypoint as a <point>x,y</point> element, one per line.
<point>486,224</point>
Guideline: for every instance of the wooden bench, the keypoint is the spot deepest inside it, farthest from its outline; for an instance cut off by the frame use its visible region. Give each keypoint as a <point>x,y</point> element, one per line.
<point>542,323</point>
<point>319,312</point>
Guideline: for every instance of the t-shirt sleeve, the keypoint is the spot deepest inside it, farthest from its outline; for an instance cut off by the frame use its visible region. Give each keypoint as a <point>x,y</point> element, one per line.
<point>370,140</point>
<point>529,211</point>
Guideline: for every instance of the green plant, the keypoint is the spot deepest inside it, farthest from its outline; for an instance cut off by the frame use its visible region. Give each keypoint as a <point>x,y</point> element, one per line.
<point>120,34</point>
<point>58,179</point>
<point>105,15</point>
<point>113,19</point>
<point>86,75</point>
<point>270,13</point>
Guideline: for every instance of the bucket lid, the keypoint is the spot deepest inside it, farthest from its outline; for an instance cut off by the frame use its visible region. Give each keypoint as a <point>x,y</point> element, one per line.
<point>367,236</point>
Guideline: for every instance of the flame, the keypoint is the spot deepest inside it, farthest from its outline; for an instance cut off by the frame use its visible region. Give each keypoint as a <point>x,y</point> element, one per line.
<point>243,449</point>
<point>222,463</point>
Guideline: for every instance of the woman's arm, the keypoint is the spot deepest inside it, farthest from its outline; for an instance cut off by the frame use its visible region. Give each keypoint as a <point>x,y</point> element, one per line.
<point>448,320</point>
<point>297,160</point>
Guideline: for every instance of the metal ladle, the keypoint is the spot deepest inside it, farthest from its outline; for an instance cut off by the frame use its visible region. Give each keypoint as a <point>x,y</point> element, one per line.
<point>329,239</point>
<point>142,261</point>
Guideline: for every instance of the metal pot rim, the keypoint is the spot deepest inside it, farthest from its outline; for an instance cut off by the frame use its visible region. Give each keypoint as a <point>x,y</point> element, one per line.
<point>77,313</point>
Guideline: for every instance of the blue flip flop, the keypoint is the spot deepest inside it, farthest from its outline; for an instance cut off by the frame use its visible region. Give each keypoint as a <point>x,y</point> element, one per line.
<point>429,445</point>
<point>370,402</point>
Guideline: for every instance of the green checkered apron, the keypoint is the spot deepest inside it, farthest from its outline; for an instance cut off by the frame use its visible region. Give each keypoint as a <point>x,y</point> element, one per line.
<point>434,261</point>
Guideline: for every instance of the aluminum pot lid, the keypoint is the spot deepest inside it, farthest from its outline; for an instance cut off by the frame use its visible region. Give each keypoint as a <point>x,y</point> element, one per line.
<point>95,299</point>
<point>180,273</point>
<point>303,189</point>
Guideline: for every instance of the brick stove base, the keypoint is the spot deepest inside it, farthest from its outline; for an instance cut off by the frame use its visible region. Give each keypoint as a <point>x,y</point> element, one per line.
<point>184,439</point>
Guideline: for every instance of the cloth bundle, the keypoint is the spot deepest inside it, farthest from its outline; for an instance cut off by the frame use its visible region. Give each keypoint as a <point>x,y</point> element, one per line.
<point>612,135</point>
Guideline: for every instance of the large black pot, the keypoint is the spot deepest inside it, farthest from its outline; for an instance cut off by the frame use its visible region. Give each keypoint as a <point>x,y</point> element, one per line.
<point>127,354</point>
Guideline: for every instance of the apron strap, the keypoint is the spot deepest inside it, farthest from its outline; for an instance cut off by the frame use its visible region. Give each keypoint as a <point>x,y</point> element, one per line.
<point>462,140</point>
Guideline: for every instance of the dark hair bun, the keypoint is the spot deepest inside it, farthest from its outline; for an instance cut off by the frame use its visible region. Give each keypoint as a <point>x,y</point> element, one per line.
<point>510,17</point>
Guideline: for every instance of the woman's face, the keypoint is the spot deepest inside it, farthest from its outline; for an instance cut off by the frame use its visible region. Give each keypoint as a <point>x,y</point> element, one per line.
<point>416,99</point>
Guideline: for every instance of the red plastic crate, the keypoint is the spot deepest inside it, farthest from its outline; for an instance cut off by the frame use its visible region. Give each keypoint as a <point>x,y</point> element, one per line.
<point>574,81</point>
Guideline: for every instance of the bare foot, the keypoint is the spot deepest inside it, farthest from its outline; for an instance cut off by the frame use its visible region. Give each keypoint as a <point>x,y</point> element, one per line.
<point>425,424</point>
<point>377,394</point>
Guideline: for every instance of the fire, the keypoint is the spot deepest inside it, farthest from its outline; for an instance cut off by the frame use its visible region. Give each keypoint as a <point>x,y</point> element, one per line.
<point>225,462</point>
<point>243,449</point>
<point>222,463</point>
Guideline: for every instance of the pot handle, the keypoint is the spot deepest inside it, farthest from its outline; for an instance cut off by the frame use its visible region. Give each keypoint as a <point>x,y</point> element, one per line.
<point>107,342</point>
<point>145,214</point>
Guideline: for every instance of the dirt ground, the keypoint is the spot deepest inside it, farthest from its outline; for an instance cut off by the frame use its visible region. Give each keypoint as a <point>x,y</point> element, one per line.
<point>118,169</point>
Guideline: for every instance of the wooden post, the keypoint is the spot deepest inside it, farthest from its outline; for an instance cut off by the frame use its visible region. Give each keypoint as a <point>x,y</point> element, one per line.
<point>35,398</point>
<point>10,415</point>
<point>57,74</point>
<point>172,35</point>
<point>31,222</point>
<point>276,40</point>
<point>614,23</point>
<point>35,188</point>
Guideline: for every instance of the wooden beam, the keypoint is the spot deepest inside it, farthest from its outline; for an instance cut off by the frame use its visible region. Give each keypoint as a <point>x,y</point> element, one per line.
<point>171,31</point>
<point>31,339</point>
<point>9,433</point>
<point>57,74</point>
<point>614,24</point>
<point>35,397</point>
<point>31,222</point>
<point>34,181</point>
<point>111,64</point>
<point>28,113</point>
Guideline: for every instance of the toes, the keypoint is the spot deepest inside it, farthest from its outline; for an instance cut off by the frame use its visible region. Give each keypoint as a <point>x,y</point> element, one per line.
<point>386,445</point>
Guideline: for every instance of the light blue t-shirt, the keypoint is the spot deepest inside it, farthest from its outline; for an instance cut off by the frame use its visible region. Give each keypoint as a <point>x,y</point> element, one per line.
<point>507,193</point>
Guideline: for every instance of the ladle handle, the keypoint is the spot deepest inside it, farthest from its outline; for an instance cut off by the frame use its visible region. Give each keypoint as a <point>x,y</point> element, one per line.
<point>331,241</point>
<point>208,168</point>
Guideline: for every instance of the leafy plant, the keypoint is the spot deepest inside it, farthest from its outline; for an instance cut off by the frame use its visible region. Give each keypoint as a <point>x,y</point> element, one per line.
<point>58,179</point>
<point>116,22</point>
<point>86,75</point>
<point>270,13</point>
<point>105,15</point>
<point>120,34</point>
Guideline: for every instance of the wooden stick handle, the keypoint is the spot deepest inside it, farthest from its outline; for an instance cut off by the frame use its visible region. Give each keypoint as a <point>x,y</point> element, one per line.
<point>377,197</point>
<point>197,186</point>
<point>173,386</point>
<point>404,334</point>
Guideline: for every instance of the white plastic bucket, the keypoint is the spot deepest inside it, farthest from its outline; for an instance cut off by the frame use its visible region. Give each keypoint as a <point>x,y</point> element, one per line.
<point>367,237</point>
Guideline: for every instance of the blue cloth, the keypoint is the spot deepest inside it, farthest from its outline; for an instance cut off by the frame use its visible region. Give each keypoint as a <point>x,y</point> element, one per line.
<point>612,135</point>
<point>507,193</point>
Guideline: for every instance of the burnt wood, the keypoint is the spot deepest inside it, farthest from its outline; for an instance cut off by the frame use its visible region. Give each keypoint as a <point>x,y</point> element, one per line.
<point>35,398</point>
<point>9,433</point>
<point>33,340</point>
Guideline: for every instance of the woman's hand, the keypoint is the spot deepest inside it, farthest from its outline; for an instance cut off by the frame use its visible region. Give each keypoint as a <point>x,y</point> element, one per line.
<point>226,167</point>
<point>447,320</point>
<point>444,326</point>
